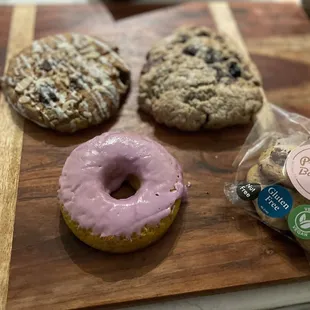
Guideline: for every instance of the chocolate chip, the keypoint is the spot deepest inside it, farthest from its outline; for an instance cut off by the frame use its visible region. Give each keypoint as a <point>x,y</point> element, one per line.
<point>46,66</point>
<point>234,70</point>
<point>46,94</point>
<point>190,50</point>
<point>203,33</point>
<point>279,156</point>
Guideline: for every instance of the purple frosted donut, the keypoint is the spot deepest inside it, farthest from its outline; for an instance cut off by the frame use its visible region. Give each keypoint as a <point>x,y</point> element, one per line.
<point>97,168</point>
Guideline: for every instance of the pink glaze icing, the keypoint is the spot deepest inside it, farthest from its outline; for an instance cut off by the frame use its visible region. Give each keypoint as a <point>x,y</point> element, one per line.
<point>98,167</point>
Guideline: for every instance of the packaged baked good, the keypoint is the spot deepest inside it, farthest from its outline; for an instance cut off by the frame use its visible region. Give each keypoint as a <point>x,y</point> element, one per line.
<point>273,175</point>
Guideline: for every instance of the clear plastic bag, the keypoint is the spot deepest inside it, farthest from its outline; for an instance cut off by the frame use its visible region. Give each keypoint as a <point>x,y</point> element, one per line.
<point>273,175</point>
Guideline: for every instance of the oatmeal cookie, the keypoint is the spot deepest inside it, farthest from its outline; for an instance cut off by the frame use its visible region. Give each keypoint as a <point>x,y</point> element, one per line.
<point>196,78</point>
<point>66,82</point>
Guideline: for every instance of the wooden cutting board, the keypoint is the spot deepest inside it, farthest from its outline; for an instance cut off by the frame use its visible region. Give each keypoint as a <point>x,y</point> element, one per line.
<point>212,246</point>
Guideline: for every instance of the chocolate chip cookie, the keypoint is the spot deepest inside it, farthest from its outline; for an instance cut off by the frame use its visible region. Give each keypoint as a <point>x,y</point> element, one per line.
<point>196,78</point>
<point>66,82</point>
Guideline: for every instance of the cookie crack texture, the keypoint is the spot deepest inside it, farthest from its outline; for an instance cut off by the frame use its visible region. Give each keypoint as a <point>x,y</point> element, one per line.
<point>67,82</point>
<point>196,78</point>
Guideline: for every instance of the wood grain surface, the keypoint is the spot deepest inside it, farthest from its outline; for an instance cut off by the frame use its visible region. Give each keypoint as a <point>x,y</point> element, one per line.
<point>212,245</point>
<point>280,47</point>
<point>11,139</point>
<point>123,9</point>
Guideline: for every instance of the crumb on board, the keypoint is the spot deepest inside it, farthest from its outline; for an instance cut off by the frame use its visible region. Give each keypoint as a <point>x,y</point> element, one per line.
<point>269,251</point>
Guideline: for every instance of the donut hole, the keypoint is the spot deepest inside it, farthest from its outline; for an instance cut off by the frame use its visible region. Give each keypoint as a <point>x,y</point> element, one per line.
<point>124,191</point>
<point>128,188</point>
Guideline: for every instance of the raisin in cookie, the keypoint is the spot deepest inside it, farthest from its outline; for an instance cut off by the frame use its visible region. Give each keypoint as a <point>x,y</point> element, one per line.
<point>197,78</point>
<point>66,82</point>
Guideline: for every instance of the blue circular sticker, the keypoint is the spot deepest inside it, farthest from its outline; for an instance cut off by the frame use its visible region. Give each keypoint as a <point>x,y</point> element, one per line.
<point>275,201</point>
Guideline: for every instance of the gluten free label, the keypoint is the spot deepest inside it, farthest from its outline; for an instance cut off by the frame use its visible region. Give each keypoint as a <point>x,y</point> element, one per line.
<point>275,201</point>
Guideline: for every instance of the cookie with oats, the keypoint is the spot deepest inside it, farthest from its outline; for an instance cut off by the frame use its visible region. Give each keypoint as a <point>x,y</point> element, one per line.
<point>197,78</point>
<point>66,82</point>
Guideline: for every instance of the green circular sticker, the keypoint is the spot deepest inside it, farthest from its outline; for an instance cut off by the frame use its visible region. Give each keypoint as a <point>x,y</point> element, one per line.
<point>299,222</point>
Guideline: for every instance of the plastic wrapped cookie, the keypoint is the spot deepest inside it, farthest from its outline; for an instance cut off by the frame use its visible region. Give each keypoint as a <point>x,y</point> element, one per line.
<point>273,169</point>
<point>66,82</point>
<point>272,161</point>
<point>255,175</point>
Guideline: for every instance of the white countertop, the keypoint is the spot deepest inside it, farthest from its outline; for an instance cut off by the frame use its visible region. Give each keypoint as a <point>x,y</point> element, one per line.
<point>286,296</point>
<point>293,296</point>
